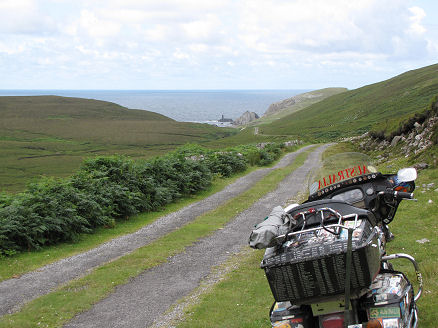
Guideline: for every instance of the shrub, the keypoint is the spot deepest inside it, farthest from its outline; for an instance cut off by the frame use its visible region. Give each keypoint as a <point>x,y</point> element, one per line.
<point>114,183</point>
<point>108,188</point>
<point>266,158</point>
<point>226,163</point>
<point>45,214</point>
<point>5,199</point>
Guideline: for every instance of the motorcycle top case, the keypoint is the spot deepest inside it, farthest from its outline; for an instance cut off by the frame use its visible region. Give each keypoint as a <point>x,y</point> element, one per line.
<point>312,268</point>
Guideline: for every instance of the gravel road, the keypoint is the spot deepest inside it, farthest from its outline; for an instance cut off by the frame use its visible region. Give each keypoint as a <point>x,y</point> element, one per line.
<point>16,292</point>
<point>145,298</point>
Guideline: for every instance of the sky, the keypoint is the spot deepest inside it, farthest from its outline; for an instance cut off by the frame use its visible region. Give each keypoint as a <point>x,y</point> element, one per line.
<point>212,44</point>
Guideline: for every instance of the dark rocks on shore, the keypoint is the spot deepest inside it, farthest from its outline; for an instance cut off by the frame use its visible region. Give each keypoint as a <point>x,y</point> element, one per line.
<point>225,120</point>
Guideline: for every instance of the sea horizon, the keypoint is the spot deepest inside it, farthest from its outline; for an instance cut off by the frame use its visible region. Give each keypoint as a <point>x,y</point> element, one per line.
<point>165,90</point>
<point>185,105</point>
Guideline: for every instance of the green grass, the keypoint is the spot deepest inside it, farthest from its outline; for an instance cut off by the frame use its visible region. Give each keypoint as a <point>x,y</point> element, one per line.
<point>338,148</point>
<point>58,307</point>
<point>243,298</point>
<point>380,107</point>
<point>50,135</point>
<point>415,221</point>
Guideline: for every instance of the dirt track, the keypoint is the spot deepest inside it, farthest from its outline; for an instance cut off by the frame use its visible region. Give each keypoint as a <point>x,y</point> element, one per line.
<point>143,300</point>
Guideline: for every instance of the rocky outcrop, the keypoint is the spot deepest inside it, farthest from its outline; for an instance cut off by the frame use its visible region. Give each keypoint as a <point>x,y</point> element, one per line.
<point>302,100</point>
<point>419,138</point>
<point>279,106</point>
<point>289,143</point>
<point>246,118</point>
<point>412,142</point>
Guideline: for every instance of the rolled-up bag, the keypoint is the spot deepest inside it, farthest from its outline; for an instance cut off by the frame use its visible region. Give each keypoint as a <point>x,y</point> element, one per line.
<point>264,234</point>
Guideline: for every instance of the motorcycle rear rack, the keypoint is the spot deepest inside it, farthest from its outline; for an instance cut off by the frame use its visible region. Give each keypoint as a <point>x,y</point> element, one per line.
<point>417,270</point>
<point>336,227</point>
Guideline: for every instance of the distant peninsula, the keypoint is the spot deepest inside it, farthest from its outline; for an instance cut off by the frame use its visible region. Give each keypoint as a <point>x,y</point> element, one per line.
<point>287,106</point>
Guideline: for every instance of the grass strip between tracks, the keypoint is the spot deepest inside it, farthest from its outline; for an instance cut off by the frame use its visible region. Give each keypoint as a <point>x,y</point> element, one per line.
<point>58,307</point>
<point>241,300</point>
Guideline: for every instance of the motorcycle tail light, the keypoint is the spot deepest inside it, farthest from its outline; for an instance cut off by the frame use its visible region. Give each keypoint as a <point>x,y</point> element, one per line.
<point>374,324</point>
<point>335,320</point>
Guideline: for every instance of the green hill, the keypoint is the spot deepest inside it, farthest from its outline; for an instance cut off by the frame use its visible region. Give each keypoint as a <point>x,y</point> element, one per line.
<point>87,120</point>
<point>288,106</point>
<point>380,107</point>
<point>51,135</point>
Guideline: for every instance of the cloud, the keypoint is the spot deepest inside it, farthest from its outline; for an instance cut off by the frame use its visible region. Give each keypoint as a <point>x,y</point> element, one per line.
<point>9,48</point>
<point>418,15</point>
<point>23,17</point>
<point>98,27</point>
<point>211,40</point>
<point>178,54</point>
<point>202,29</point>
<point>367,26</point>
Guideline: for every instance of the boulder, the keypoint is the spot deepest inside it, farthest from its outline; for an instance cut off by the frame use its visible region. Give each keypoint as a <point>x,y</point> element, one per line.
<point>421,166</point>
<point>395,140</point>
<point>291,143</point>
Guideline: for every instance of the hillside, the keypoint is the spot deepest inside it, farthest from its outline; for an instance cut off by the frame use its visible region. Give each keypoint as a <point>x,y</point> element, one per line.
<point>288,106</point>
<point>51,135</point>
<point>380,107</point>
<point>87,120</point>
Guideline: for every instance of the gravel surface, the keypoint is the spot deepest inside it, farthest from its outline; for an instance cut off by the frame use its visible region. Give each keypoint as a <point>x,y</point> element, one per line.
<point>141,302</point>
<point>17,291</point>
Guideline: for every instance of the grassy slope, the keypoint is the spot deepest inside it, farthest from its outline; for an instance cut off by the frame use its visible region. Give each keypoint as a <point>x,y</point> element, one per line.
<point>302,101</point>
<point>379,106</point>
<point>51,135</point>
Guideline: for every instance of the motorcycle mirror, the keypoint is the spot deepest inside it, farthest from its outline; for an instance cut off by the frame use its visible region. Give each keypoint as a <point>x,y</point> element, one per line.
<point>407,174</point>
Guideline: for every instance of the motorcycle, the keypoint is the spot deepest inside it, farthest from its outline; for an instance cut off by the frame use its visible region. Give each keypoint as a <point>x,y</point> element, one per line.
<point>326,260</point>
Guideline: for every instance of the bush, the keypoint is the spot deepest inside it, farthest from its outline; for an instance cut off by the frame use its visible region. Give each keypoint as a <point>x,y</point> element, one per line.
<point>108,188</point>
<point>226,163</point>
<point>112,183</point>
<point>5,199</point>
<point>45,214</point>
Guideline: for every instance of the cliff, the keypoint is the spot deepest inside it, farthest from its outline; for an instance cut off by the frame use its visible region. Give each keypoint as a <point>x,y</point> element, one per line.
<point>302,100</point>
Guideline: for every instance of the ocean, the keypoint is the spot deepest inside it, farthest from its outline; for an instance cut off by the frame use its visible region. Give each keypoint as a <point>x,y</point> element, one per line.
<point>205,106</point>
